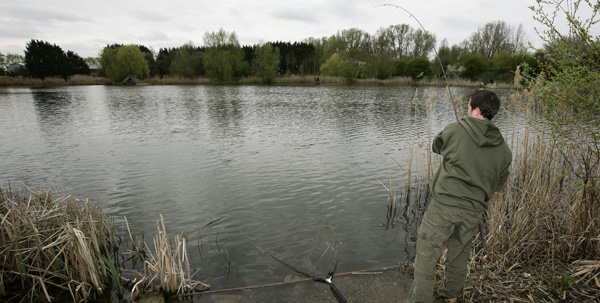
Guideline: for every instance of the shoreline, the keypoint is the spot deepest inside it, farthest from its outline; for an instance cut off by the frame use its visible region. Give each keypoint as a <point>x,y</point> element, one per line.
<point>9,82</point>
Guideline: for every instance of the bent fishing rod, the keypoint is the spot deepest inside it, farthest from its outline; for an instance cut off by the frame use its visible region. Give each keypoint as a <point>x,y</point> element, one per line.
<point>330,270</point>
<point>447,85</point>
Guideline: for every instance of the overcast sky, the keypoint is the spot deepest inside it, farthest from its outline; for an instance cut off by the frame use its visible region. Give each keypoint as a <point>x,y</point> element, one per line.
<point>86,26</point>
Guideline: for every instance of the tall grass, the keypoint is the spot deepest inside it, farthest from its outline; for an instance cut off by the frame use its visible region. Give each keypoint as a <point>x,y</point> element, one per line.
<point>53,246</point>
<point>169,267</point>
<point>52,243</point>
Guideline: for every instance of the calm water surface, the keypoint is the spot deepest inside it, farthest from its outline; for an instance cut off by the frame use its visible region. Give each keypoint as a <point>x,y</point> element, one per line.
<point>273,163</point>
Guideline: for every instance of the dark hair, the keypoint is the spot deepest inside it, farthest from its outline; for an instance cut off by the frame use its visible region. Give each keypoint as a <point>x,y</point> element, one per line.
<point>487,102</point>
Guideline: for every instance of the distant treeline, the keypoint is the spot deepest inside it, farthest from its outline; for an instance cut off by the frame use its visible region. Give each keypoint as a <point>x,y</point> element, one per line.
<point>492,53</point>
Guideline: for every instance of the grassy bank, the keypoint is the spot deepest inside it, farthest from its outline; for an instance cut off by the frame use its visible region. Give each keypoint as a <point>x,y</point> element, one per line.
<point>6,81</point>
<point>542,236</point>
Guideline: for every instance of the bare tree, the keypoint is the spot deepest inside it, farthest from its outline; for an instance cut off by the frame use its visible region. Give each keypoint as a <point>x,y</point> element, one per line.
<point>402,39</point>
<point>492,38</point>
<point>422,43</point>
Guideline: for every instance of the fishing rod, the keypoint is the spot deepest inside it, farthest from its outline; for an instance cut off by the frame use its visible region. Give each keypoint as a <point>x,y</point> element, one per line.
<point>447,87</point>
<point>330,271</point>
<point>436,54</point>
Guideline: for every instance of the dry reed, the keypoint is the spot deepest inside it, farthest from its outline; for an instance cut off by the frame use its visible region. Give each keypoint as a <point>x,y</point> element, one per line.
<point>543,240</point>
<point>52,244</point>
<point>166,268</point>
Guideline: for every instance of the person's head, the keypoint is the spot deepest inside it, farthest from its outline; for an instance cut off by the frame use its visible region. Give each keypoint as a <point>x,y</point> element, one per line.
<point>483,103</point>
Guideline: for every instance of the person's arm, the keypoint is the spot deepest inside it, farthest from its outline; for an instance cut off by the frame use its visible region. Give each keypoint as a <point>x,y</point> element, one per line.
<point>502,179</point>
<point>438,143</point>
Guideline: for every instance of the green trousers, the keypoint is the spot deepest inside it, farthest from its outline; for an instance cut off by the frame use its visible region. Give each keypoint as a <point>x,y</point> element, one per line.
<point>443,225</point>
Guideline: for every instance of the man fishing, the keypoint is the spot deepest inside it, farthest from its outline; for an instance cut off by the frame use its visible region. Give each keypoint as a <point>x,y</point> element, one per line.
<point>474,169</point>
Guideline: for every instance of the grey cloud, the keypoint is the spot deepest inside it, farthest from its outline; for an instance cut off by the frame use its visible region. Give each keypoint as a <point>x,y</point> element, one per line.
<point>295,14</point>
<point>42,15</point>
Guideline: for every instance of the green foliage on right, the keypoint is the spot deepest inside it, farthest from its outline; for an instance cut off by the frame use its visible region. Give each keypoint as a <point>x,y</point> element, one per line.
<point>568,95</point>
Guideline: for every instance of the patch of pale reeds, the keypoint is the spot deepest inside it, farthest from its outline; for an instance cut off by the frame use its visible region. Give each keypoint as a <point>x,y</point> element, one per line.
<point>52,245</point>
<point>87,80</point>
<point>169,267</point>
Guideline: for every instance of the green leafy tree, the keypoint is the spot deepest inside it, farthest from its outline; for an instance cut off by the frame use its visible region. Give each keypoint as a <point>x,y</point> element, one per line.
<point>120,62</point>
<point>419,68</point>
<point>449,56</point>
<point>187,62</point>
<point>266,62</point>
<point>149,55</point>
<point>423,43</point>
<point>223,55</point>
<point>333,66</point>
<point>474,66</point>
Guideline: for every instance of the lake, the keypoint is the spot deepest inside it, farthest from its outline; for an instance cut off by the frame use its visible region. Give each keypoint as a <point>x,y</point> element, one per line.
<point>272,165</point>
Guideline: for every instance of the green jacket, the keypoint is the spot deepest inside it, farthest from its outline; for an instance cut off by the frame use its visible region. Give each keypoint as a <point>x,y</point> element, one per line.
<point>476,164</point>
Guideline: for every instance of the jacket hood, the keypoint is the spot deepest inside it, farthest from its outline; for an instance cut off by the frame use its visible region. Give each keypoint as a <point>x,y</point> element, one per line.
<point>483,132</point>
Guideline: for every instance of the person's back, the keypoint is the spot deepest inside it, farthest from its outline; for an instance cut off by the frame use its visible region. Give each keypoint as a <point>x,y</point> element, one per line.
<point>475,167</point>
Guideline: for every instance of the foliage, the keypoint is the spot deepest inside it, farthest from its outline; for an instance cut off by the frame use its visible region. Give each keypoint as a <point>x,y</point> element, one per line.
<point>120,62</point>
<point>564,281</point>
<point>76,65</point>
<point>474,66</point>
<point>43,59</point>
<point>187,62</point>
<point>400,67</point>
<point>149,57</point>
<point>333,66</point>
<point>266,62</point>
<point>163,60</point>
<point>419,68</point>
<point>296,58</point>
<point>569,97</point>
<point>223,55</point>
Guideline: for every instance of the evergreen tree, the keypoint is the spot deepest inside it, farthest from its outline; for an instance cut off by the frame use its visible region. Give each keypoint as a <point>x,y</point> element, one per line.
<point>43,59</point>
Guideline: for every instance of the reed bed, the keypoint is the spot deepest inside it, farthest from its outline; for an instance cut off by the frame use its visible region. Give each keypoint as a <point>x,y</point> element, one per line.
<point>175,80</point>
<point>52,245</point>
<point>542,241</point>
<point>7,81</point>
<point>168,268</point>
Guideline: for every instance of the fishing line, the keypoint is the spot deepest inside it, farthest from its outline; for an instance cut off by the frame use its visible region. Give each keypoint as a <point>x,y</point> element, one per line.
<point>436,54</point>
